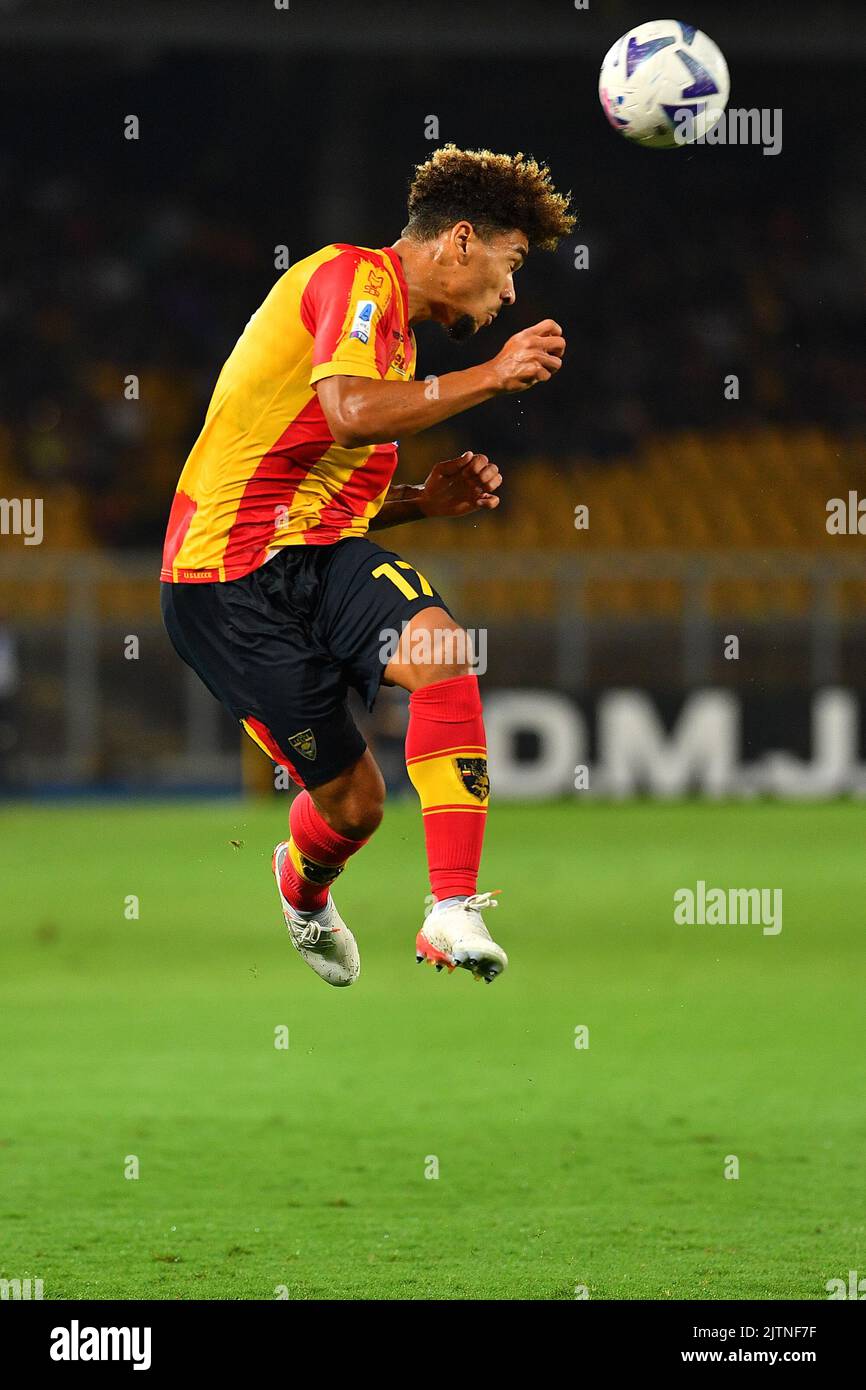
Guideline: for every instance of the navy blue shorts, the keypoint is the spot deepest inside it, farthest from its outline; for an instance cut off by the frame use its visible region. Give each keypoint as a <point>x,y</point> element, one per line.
<point>281,647</point>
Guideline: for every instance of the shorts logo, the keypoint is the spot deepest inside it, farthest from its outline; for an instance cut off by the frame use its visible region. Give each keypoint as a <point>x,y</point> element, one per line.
<point>319,873</point>
<point>360,329</point>
<point>473,774</point>
<point>304,743</point>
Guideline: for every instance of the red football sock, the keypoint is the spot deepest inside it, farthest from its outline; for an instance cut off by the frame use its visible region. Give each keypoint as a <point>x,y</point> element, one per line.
<point>446,756</point>
<point>316,856</point>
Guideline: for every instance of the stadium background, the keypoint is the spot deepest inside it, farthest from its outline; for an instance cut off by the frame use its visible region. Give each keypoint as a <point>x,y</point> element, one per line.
<point>707,517</point>
<point>146,258</point>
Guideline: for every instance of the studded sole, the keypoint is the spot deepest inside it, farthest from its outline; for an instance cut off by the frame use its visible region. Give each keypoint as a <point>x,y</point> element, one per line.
<point>424,951</point>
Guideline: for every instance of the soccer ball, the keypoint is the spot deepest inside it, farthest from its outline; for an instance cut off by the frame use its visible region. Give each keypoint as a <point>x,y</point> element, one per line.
<point>664,83</point>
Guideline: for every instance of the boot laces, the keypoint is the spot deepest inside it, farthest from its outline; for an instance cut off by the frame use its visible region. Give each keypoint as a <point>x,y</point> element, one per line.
<point>308,935</point>
<point>478,902</point>
<point>312,935</point>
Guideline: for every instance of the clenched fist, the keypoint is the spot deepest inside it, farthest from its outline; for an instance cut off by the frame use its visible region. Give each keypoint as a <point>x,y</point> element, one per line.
<point>532,355</point>
<point>461,485</point>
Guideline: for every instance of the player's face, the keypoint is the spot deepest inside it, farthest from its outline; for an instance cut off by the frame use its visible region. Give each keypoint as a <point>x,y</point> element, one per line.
<point>481,278</point>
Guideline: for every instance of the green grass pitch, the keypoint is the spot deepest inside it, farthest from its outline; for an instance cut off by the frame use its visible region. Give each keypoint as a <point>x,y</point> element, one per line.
<point>303,1169</point>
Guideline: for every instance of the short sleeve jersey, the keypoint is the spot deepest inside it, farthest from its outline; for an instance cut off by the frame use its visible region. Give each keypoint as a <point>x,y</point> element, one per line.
<point>265,471</point>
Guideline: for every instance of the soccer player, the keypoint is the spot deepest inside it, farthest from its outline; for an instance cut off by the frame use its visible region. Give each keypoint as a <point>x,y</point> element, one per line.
<point>272,590</point>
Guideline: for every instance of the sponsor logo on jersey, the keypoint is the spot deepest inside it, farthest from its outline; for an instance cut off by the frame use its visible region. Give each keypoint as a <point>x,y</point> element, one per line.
<point>473,774</point>
<point>399,362</point>
<point>364,310</point>
<point>375,281</point>
<point>304,743</point>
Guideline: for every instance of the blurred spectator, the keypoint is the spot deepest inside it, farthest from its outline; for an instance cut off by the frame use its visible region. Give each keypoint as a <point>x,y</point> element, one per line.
<point>145,259</point>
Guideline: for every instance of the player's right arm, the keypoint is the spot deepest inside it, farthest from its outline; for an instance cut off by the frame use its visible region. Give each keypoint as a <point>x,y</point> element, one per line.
<point>362,411</point>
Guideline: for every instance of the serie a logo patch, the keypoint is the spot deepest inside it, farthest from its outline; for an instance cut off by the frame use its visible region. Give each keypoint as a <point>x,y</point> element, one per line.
<point>304,743</point>
<point>364,311</point>
<point>473,774</point>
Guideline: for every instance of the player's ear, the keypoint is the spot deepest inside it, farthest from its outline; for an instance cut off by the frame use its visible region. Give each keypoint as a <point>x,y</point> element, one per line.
<point>461,235</point>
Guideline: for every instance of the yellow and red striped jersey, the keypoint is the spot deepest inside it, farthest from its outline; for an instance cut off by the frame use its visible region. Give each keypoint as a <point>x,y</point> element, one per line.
<point>265,471</point>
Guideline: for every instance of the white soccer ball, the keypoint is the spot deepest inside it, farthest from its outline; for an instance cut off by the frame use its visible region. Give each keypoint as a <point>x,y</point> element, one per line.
<point>663,84</point>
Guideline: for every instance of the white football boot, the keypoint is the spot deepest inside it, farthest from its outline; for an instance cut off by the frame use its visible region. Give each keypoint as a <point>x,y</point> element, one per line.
<point>456,936</point>
<point>322,938</point>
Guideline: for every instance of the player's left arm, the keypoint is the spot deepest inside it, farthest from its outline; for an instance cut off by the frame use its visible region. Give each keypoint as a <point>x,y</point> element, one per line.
<point>453,488</point>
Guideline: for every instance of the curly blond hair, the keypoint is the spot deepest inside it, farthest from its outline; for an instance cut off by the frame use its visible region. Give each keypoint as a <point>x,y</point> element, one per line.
<point>495,192</point>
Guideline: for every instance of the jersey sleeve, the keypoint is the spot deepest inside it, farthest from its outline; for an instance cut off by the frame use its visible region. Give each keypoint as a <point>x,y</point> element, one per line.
<point>346,305</point>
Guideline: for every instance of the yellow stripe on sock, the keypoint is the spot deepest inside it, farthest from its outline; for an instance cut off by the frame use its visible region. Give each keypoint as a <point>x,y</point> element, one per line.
<point>438,782</point>
<point>472,751</point>
<point>311,869</point>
